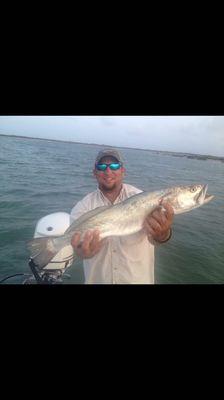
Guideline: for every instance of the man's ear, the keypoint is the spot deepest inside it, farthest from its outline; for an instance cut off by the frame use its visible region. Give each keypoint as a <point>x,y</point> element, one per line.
<point>123,170</point>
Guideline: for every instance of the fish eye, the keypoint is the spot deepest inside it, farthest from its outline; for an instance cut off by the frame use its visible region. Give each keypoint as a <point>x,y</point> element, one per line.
<point>193,189</point>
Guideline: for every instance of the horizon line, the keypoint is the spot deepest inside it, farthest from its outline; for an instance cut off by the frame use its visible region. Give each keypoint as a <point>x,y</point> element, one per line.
<point>120,147</point>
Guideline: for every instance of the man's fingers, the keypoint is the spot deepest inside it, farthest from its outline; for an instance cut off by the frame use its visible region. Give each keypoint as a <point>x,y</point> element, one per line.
<point>75,239</point>
<point>149,229</point>
<point>89,245</point>
<point>168,207</point>
<point>86,241</point>
<point>159,216</point>
<point>95,239</point>
<point>155,225</point>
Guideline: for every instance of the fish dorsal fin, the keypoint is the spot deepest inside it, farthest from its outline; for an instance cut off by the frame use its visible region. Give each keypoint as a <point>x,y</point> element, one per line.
<point>85,216</point>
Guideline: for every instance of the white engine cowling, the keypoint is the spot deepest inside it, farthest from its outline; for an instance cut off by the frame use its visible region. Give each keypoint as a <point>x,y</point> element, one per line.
<point>55,225</point>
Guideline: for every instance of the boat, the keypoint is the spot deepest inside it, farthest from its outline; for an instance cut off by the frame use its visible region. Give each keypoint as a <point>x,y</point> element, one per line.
<point>54,224</point>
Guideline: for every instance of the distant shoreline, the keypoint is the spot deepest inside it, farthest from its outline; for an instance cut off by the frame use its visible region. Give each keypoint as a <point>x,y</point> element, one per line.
<point>171,153</point>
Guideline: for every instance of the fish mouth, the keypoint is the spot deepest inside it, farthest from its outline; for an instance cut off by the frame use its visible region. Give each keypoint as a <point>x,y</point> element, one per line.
<point>204,198</point>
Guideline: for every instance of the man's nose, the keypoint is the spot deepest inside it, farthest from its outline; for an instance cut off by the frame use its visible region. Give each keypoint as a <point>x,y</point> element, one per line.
<point>108,170</point>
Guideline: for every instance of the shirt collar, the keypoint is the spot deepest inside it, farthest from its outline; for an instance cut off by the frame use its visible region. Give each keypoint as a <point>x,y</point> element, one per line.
<point>118,199</point>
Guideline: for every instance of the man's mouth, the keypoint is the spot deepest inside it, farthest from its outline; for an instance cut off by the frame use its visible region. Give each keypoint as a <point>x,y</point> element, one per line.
<point>108,180</point>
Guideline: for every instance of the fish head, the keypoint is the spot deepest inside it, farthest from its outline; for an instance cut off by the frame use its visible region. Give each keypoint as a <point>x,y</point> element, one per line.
<point>186,198</point>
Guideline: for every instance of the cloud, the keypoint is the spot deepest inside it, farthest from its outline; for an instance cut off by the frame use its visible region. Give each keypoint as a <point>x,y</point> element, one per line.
<point>193,134</point>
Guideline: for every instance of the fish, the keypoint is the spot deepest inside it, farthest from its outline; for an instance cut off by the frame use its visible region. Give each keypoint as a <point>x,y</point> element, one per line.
<point>124,218</point>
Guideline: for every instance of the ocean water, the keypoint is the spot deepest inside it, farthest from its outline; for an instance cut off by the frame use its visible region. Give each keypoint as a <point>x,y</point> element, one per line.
<point>39,177</point>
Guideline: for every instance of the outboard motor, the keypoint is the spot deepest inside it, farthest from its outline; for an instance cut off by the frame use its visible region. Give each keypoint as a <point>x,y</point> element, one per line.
<point>52,225</point>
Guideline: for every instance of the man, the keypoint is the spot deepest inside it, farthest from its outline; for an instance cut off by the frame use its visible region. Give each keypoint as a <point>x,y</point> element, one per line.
<point>127,259</point>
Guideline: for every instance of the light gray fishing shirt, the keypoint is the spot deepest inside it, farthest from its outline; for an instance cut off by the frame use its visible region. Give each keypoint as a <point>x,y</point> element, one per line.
<point>121,260</point>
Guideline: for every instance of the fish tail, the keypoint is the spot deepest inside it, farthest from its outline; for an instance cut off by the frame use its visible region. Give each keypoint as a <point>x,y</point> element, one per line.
<point>42,250</point>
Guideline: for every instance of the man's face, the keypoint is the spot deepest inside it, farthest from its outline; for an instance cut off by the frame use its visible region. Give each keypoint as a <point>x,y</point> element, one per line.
<point>109,180</point>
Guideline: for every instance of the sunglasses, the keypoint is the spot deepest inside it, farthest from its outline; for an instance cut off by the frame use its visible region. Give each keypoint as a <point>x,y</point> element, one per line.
<point>112,166</point>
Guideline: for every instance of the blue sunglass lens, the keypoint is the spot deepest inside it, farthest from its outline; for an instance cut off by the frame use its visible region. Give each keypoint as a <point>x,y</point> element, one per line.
<point>103,167</point>
<point>115,166</point>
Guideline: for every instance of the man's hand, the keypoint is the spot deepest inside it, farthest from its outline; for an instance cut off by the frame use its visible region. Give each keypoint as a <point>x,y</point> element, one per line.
<point>158,224</point>
<point>89,246</point>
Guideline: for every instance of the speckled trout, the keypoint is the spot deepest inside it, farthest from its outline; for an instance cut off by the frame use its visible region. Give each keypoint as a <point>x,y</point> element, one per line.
<point>121,219</point>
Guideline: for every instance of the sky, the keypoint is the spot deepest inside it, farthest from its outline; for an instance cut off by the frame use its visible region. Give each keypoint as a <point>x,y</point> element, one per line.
<point>187,134</point>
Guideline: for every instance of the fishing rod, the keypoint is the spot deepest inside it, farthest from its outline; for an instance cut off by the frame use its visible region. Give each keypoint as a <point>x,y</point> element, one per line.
<point>42,277</point>
<point>12,276</point>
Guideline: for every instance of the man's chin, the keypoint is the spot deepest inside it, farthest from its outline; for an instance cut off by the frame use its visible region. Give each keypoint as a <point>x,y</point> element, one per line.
<point>109,188</point>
